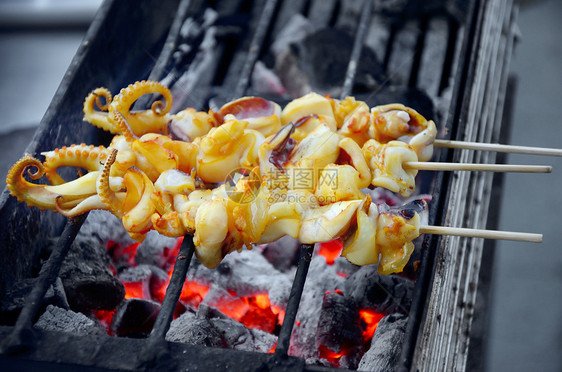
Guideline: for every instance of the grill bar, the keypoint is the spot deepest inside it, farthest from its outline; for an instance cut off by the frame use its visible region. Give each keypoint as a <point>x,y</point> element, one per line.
<point>174,289</point>
<point>255,48</point>
<point>294,299</point>
<point>156,345</point>
<point>21,335</point>
<point>357,48</point>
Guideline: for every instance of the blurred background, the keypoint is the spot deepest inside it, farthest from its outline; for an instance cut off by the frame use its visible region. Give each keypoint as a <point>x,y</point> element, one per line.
<point>38,39</point>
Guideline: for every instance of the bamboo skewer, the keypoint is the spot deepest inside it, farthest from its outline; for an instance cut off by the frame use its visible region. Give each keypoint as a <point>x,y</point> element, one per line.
<point>433,166</point>
<point>478,233</point>
<point>497,147</point>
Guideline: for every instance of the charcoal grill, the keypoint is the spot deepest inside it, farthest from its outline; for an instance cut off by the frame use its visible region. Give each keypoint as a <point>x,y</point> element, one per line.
<point>457,51</point>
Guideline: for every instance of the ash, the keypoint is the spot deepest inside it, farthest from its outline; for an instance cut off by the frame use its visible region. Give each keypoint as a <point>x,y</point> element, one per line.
<point>62,320</point>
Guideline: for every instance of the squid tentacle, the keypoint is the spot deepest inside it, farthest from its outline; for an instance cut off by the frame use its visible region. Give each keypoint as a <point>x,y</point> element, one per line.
<point>123,126</point>
<point>83,156</point>
<point>99,118</point>
<point>107,196</point>
<point>91,202</point>
<point>45,196</point>
<point>155,119</point>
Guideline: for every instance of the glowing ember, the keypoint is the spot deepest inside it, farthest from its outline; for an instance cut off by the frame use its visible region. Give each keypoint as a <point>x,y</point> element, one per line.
<point>136,290</point>
<point>272,350</point>
<point>158,288</point>
<point>122,253</point>
<point>105,317</point>
<point>253,311</point>
<point>369,321</point>
<point>331,250</point>
<point>258,317</point>
<point>330,355</point>
<point>193,293</point>
<point>262,301</point>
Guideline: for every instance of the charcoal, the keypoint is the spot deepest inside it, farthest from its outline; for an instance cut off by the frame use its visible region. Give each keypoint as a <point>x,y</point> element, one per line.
<point>248,273</point>
<point>194,330</point>
<point>138,277</point>
<point>411,97</point>
<point>235,334</point>
<point>338,325</point>
<point>136,274</point>
<point>158,282</point>
<point>62,320</point>
<point>238,337</point>
<point>134,317</point>
<point>386,294</point>
<point>151,251</point>
<point>87,279</point>
<point>386,345</point>
<point>321,59</point>
<point>282,253</point>
<point>101,227</point>
<point>345,268</point>
<point>209,327</point>
<point>321,278</point>
<point>16,297</point>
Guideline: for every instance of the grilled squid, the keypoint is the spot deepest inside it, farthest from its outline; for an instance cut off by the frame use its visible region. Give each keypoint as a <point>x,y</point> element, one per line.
<point>249,173</point>
<point>387,166</point>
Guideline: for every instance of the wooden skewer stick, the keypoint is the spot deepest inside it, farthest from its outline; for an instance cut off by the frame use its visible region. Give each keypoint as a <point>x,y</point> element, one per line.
<point>498,147</point>
<point>434,166</point>
<point>486,234</point>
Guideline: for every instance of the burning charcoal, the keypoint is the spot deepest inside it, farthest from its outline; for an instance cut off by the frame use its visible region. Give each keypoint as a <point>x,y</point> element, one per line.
<point>282,253</point>
<point>321,278</point>
<point>238,337</point>
<point>338,329</point>
<point>56,319</point>
<point>247,273</point>
<point>152,251</point>
<point>87,279</point>
<point>344,268</point>
<point>384,293</point>
<point>386,345</point>
<point>194,330</point>
<point>212,328</point>
<point>321,60</point>
<point>137,281</point>
<point>158,283</point>
<point>135,317</point>
<point>16,296</point>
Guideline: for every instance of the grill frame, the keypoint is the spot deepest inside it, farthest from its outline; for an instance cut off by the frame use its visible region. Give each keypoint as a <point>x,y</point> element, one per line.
<point>50,135</point>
